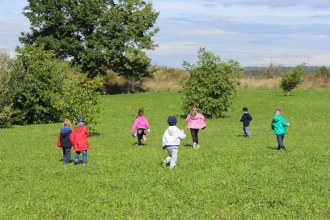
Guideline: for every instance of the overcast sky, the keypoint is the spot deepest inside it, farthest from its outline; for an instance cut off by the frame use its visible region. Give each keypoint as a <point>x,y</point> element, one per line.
<point>253,32</point>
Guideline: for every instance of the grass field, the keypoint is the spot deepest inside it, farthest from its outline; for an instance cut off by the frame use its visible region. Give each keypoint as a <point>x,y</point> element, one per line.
<point>229,177</point>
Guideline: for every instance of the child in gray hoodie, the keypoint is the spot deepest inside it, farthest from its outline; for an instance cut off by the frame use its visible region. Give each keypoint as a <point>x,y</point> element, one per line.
<point>171,142</point>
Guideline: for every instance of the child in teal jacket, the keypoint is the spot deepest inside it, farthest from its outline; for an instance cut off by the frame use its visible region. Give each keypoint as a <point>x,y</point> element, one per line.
<point>279,126</point>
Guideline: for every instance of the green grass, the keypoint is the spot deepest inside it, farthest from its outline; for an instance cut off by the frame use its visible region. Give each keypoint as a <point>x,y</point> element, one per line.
<point>229,177</point>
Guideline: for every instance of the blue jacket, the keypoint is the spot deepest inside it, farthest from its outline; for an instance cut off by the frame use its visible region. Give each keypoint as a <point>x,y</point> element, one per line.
<point>279,125</point>
<point>64,137</point>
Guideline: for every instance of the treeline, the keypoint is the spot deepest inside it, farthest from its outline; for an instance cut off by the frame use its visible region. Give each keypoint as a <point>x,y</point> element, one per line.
<point>262,71</point>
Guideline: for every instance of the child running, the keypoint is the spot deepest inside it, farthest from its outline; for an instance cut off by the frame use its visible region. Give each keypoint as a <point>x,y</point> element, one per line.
<point>171,141</point>
<point>79,139</point>
<point>195,122</point>
<point>140,126</point>
<point>246,118</point>
<point>64,141</point>
<point>279,126</point>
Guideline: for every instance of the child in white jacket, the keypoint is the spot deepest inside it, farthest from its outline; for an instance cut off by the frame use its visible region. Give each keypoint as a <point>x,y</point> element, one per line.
<point>171,141</point>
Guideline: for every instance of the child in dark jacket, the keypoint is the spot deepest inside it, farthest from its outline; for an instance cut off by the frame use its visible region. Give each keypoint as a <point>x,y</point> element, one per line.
<point>246,118</point>
<point>64,141</point>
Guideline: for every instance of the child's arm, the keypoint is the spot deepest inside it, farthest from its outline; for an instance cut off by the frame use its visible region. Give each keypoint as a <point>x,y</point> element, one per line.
<point>134,128</point>
<point>284,123</point>
<point>59,142</point>
<point>181,134</point>
<point>250,117</point>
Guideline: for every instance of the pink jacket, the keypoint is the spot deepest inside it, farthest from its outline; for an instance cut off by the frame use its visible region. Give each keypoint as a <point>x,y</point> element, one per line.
<point>196,122</point>
<point>140,122</point>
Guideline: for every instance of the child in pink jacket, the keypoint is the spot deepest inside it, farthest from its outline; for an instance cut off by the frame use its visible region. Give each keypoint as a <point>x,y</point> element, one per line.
<point>195,122</point>
<point>140,126</point>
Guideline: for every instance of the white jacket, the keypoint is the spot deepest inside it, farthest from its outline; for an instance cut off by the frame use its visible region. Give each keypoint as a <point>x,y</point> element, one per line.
<point>172,136</point>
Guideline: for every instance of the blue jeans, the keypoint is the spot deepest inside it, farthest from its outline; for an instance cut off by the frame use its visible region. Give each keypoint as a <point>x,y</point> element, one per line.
<point>280,139</point>
<point>246,131</point>
<point>84,156</point>
<point>66,155</point>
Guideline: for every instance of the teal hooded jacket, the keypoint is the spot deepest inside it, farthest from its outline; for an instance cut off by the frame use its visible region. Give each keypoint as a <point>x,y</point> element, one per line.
<point>279,125</point>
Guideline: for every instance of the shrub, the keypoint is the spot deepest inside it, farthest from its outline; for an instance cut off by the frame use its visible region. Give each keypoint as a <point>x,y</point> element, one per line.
<point>292,78</point>
<point>211,85</point>
<point>40,87</point>
<point>81,97</point>
<point>10,71</point>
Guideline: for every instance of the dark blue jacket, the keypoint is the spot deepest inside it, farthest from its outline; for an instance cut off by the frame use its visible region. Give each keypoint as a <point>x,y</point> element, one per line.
<point>246,118</point>
<point>65,137</point>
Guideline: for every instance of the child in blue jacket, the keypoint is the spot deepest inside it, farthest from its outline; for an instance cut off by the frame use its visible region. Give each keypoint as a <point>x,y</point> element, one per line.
<point>279,126</point>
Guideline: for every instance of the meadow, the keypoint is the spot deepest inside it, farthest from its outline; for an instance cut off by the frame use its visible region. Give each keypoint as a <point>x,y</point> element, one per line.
<point>228,177</point>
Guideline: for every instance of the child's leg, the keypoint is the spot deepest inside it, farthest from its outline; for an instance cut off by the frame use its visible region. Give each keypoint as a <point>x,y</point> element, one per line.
<point>174,157</point>
<point>76,158</point>
<point>84,157</point>
<point>247,132</point>
<point>140,133</point>
<point>194,133</point>
<point>280,139</point>
<point>67,155</point>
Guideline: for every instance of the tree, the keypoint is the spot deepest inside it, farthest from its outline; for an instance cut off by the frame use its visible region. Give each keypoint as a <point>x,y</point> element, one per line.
<point>292,78</point>
<point>211,85</point>
<point>96,35</point>
<point>323,71</point>
<point>273,71</point>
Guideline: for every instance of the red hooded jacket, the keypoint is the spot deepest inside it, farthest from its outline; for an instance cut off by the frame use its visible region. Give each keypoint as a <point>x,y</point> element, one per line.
<point>79,138</point>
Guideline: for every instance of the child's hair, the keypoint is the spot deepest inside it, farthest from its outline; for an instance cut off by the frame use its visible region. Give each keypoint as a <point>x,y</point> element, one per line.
<point>193,109</point>
<point>245,109</point>
<point>67,122</point>
<point>141,111</point>
<point>278,110</point>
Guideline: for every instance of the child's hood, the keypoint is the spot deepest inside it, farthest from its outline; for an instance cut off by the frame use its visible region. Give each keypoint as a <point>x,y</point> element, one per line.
<point>277,117</point>
<point>80,128</point>
<point>65,130</point>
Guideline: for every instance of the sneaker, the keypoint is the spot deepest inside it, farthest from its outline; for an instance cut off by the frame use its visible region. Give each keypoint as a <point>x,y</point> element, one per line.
<point>75,162</point>
<point>144,137</point>
<point>84,164</point>
<point>197,146</point>
<point>194,145</point>
<point>164,164</point>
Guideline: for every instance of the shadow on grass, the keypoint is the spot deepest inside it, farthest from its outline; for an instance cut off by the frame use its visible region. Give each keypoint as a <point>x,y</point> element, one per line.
<point>271,147</point>
<point>94,134</point>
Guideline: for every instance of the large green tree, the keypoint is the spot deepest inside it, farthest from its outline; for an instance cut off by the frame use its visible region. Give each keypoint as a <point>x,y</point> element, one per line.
<point>97,35</point>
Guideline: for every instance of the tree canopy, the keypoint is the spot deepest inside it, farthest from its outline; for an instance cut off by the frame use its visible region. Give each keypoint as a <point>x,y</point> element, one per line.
<point>211,85</point>
<point>96,35</point>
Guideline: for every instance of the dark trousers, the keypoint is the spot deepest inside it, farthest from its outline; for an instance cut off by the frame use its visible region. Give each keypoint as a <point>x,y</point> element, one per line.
<point>280,139</point>
<point>140,133</point>
<point>194,135</point>
<point>66,154</point>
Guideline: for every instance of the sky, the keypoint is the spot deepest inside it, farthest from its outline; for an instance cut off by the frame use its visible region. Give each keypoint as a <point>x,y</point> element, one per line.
<point>252,32</point>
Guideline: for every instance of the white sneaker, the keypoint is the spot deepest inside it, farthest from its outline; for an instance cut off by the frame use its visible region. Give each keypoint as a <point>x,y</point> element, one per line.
<point>197,146</point>
<point>194,145</point>
<point>164,164</point>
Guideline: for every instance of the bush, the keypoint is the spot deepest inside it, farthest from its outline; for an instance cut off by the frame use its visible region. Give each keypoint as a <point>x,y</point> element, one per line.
<point>10,71</point>
<point>211,85</point>
<point>40,87</point>
<point>81,97</point>
<point>292,78</point>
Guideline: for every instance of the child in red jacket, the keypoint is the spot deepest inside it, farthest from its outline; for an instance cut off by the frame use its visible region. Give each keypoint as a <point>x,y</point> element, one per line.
<point>79,140</point>
<point>64,142</point>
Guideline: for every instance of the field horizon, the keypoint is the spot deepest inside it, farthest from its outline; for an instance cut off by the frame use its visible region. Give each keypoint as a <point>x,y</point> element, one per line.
<point>229,177</point>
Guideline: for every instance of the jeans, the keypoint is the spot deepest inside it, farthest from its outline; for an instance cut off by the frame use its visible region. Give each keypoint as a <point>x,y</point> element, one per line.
<point>66,155</point>
<point>280,139</point>
<point>172,157</point>
<point>84,156</point>
<point>194,135</point>
<point>246,131</point>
